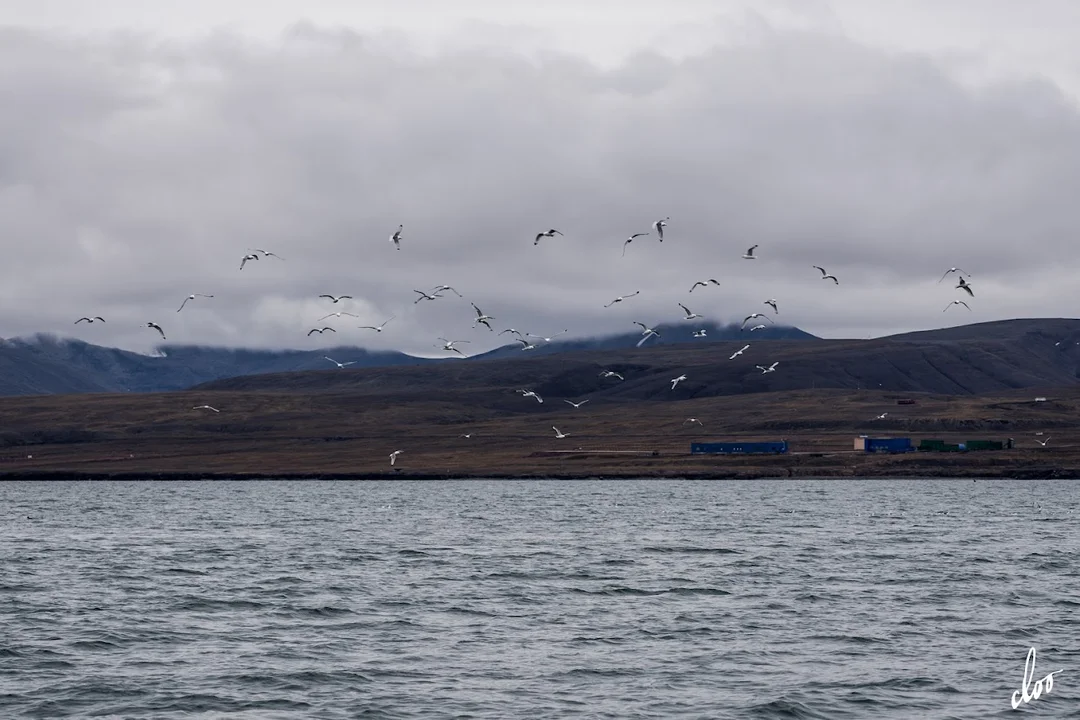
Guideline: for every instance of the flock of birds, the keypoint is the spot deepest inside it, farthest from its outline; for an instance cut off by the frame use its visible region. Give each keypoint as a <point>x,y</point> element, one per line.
<point>481,318</point>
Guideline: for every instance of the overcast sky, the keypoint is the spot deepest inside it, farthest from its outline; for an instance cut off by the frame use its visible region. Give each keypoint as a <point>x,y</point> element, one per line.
<point>145,146</point>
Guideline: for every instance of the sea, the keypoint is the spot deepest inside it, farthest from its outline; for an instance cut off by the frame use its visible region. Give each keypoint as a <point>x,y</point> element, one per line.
<point>591,598</point>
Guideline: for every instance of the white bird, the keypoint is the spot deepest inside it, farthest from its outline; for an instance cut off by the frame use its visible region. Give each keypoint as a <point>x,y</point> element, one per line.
<point>511,330</point>
<point>550,233</point>
<point>676,381</point>
<point>337,314</point>
<point>529,393</point>
<point>953,270</point>
<point>965,287</point>
<point>320,330</point>
<point>689,315</point>
<point>576,404</point>
<point>338,299</point>
<point>526,345</point>
<point>376,328</point>
<point>466,435</point>
<point>700,333</point>
<point>957,302</point>
<point>243,260</point>
<point>396,237</point>
<point>630,240</point>
<point>622,297</point>
<point>825,275</point>
<point>611,373</point>
<point>881,416</point>
<point>692,421</point>
<point>481,318</point>
<point>424,296</point>
<point>1043,442</point>
<point>751,316</point>
<point>190,297</point>
<point>440,288</point>
<point>205,407</point>
<point>157,327</point>
<point>772,303</point>
<point>704,283</point>
<point>647,332</point>
<point>340,365</point>
<point>393,456</point>
<point>546,339</point>
<point>739,352</point>
<point>449,345</point>
<point>90,319</point>
<point>750,253</point>
<point>559,435</point>
<point>659,226</point>
<point>771,368</point>
<point>267,253</point>
<point>758,327</point>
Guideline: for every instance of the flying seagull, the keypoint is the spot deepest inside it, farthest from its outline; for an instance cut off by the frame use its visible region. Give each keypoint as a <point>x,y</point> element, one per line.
<point>376,328</point>
<point>205,407</point>
<point>659,226</point>
<point>700,333</point>
<point>630,240</point>
<point>751,316</point>
<point>89,319</point>
<point>621,298</point>
<point>529,393</point>
<point>550,233</point>
<point>466,435</point>
<point>576,404</point>
<point>340,365</point>
<point>449,345</point>
<point>546,339</point>
<point>526,345</point>
<point>424,296</point>
<point>704,283</point>
<point>739,352</point>
<point>156,327</point>
<point>772,303</point>
<point>689,315</point>
<point>559,435</point>
<point>511,330</point>
<point>481,318</point>
<point>957,302</point>
<point>320,330</point>
<point>611,373</point>
<point>267,253</point>
<point>880,417</point>
<point>758,327</point>
<point>676,381</point>
<point>692,421</point>
<point>953,270</point>
<point>1043,442</point>
<point>336,300</point>
<point>243,260</point>
<point>750,253</point>
<point>646,331</point>
<point>771,368</point>
<point>393,456</point>
<point>438,289</point>
<point>827,276</point>
<point>965,287</point>
<point>337,314</point>
<point>396,237</point>
<point>190,297</point>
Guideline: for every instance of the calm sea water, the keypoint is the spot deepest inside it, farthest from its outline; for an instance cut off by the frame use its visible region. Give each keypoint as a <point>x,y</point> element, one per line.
<point>512,599</point>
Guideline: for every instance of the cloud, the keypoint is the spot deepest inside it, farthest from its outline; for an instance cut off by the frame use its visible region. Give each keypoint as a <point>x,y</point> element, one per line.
<point>136,170</point>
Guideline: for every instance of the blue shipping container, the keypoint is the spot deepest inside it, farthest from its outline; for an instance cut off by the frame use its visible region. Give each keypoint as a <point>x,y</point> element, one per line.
<point>889,445</point>
<point>733,448</point>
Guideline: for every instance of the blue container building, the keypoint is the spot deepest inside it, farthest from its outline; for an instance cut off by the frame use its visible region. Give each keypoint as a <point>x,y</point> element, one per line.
<point>738,448</point>
<point>884,445</point>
